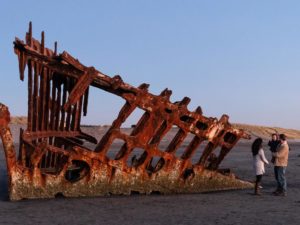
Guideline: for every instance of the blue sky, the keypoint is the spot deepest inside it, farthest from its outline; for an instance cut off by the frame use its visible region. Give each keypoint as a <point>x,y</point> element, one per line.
<point>235,57</point>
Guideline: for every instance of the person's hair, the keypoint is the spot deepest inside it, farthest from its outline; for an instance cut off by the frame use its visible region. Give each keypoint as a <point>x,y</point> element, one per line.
<point>257,144</point>
<point>275,134</point>
<point>282,137</point>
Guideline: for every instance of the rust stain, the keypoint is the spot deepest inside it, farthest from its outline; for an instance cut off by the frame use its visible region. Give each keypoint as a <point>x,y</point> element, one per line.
<point>52,159</point>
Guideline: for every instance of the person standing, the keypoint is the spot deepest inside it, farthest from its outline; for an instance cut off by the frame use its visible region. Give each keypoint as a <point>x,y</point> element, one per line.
<point>281,161</point>
<point>273,144</point>
<point>259,161</point>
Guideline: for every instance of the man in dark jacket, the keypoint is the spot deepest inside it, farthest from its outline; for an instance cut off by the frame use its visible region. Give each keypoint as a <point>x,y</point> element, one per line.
<point>274,143</point>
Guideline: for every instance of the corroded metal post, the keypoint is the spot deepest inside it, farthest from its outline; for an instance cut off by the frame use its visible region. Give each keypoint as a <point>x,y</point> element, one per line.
<point>54,160</point>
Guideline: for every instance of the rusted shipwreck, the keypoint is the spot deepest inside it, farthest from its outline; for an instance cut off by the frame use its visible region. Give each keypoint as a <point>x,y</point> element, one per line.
<point>53,159</point>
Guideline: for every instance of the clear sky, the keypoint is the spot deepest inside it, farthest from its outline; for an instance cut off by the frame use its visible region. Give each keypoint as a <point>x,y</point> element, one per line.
<point>238,57</point>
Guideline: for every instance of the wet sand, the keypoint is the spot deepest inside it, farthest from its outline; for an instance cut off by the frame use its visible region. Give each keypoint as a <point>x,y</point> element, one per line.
<point>227,207</point>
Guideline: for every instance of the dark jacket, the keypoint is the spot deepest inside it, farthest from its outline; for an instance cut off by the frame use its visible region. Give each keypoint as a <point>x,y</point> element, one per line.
<point>273,145</point>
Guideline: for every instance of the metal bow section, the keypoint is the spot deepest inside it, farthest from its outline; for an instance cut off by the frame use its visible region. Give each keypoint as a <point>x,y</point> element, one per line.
<point>54,160</point>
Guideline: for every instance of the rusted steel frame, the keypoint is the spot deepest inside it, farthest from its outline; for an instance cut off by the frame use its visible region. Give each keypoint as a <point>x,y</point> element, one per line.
<point>181,135</point>
<point>44,134</point>
<point>58,108</point>
<point>101,80</point>
<point>37,156</point>
<point>37,45</point>
<point>59,150</point>
<point>210,147</point>
<point>64,99</point>
<point>153,127</point>
<point>22,62</point>
<point>52,104</point>
<point>28,143</point>
<point>22,149</point>
<point>39,151</point>
<point>85,101</point>
<point>215,164</point>
<point>87,137</point>
<point>145,132</point>
<point>218,140</point>
<point>141,124</point>
<point>76,117</point>
<point>104,81</point>
<point>52,97</point>
<point>46,61</point>
<point>163,129</point>
<point>76,140</point>
<point>30,136</point>
<point>30,97</point>
<point>80,88</point>
<point>70,141</point>
<point>78,114</point>
<point>48,103</point>
<point>35,97</point>
<point>7,141</point>
<point>106,140</point>
<point>159,117</point>
<point>236,134</point>
<point>69,86</point>
<point>176,141</point>
<point>158,135</point>
<point>124,151</point>
<point>48,159</point>
<point>189,151</point>
<point>29,35</point>
<point>226,148</point>
<point>29,147</point>
<point>73,116</point>
<point>65,56</point>
<point>52,157</point>
<point>42,100</point>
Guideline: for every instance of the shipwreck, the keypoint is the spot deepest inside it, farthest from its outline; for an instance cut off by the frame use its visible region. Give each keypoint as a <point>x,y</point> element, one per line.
<point>52,159</point>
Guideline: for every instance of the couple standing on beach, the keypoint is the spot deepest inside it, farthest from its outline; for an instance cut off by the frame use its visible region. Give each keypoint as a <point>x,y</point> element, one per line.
<point>280,151</point>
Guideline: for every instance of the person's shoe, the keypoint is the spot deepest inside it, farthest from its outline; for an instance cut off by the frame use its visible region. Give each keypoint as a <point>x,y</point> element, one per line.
<point>256,189</point>
<point>284,194</point>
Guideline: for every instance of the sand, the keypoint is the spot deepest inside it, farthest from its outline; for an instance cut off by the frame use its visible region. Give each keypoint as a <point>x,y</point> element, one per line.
<point>227,207</point>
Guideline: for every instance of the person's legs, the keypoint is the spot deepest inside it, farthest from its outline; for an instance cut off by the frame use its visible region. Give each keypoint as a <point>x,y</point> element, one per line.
<point>282,180</point>
<point>285,182</point>
<point>257,182</point>
<point>278,189</point>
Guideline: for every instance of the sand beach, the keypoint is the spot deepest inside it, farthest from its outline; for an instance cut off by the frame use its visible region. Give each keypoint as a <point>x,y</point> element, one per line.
<point>226,207</point>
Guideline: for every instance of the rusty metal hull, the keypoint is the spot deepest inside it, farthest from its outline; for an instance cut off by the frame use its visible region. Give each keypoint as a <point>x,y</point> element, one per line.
<point>135,182</point>
<point>53,158</point>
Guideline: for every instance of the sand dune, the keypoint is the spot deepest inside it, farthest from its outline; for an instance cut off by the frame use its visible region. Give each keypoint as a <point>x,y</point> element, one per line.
<point>265,132</point>
<point>18,120</point>
<point>254,130</point>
